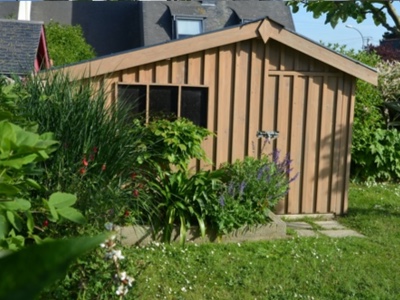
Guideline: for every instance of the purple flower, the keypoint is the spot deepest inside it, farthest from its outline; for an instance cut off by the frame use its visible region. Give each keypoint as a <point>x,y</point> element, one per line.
<point>261,171</point>
<point>222,200</point>
<point>294,177</point>
<point>241,188</point>
<point>275,156</point>
<point>231,189</point>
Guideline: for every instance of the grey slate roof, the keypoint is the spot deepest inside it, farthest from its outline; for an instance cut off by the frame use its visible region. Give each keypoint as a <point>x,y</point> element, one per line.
<point>19,41</point>
<point>157,15</point>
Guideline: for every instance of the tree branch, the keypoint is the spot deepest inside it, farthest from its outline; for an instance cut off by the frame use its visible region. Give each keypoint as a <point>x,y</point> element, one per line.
<point>393,14</point>
<point>375,12</point>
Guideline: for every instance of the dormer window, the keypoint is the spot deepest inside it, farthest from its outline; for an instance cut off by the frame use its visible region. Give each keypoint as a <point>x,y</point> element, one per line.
<point>187,26</point>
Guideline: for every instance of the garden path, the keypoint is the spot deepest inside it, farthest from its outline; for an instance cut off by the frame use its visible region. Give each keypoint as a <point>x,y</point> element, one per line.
<point>329,228</point>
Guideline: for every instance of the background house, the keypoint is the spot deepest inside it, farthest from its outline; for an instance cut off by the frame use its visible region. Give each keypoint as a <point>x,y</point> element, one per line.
<point>23,48</point>
<point>112,27</point>
<point>236,81</point>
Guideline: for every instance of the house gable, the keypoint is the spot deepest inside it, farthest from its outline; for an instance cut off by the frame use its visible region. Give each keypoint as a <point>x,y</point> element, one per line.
<point>22,47</point>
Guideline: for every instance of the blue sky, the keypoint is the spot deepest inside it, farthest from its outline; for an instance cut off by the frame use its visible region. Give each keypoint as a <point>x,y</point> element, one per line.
<point>316,30</point>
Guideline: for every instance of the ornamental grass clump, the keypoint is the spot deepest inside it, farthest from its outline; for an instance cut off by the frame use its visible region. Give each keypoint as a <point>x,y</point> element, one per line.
<point>252,187</point>
<point>98,144</point>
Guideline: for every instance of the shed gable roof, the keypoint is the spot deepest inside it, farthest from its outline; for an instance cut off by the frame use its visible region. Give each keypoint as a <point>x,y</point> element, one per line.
<point>263,28</point>
<point>19,42</point>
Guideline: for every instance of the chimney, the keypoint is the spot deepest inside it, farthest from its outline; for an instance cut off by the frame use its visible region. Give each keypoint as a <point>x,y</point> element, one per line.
<point>24,10</point>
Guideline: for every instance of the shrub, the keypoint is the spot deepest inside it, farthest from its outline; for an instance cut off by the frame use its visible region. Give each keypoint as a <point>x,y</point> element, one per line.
<point>252,188</point>
<point>369,118</point>
<point>165,143</point>
<point>21,210</point>
<point>177,196</point>
<point>66,44</point>
<point>180,199</point>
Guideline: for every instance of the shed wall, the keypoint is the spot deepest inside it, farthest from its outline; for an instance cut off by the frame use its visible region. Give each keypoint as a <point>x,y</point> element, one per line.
<point>255,86</point>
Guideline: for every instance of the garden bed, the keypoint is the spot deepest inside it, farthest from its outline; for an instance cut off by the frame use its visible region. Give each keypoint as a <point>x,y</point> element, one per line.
<point>143,235</point>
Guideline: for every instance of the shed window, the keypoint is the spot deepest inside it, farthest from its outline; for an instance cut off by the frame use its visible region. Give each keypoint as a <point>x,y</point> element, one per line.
<point>185,27</point>
<point>166,101</point>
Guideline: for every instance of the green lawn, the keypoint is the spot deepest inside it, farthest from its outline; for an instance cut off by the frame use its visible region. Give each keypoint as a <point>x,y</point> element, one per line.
<point>294,268</point>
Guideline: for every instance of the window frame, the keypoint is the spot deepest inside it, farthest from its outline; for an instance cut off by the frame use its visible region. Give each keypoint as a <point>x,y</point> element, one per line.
<point>176,20</point>
<point>148,86</point>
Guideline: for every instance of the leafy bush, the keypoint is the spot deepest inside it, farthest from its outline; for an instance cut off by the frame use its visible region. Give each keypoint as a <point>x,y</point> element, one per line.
<point>389,85</point>
<point>66,44</point>
<point>252,188</point>
<point>21,151</point>
<point>166,143</point>
<point>181,198</point>
<point>387,50</point>
<point>369,117</point>
<point>381,156</point>
<point>178,197</point>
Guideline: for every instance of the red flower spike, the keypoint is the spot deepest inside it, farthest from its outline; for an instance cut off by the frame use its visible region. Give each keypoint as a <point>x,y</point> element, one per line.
<point>95,149</point>
<point>136,193</point>
<point>103,167</point>
<point>45,223</point>
<point>82,171</point>
<point>127,213</point>
<point>85,162</point>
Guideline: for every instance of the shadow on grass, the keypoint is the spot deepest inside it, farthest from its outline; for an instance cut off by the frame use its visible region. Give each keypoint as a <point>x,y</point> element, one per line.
<point>377,211</point>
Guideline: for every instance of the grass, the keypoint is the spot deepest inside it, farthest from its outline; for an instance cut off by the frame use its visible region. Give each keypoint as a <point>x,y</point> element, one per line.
<point>294,268</point>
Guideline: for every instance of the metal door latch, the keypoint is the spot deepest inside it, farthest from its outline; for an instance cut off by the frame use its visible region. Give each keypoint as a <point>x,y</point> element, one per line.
<point>269,135</point>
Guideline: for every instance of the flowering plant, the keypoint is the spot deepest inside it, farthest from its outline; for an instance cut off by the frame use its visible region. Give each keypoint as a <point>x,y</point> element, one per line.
<point>121,278</point>
<point>252,187</point>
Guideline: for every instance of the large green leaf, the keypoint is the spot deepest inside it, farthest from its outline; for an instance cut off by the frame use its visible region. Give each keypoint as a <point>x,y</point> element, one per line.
<point>53,212</point>
<point>8,189</point>
<point>18,163</point>
<point>60,200</point>
<point>26,272</point>
<point>4,227</point>
<point>17,204</point>
<point>7,137</point>
<point>25,139</point>
<point>33,183</point>
<point>14,219</point>
<point>72,214</point>
<point>30,223</point>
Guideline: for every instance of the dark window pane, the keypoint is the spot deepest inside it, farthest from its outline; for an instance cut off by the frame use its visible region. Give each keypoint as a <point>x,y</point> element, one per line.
<point>195,105</point>
<point>134,96</point>
<point>163,101</point>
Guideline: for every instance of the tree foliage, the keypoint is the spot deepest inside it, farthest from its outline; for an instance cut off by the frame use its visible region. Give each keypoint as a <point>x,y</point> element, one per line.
<point>382,12</point>
<point>66,44</point>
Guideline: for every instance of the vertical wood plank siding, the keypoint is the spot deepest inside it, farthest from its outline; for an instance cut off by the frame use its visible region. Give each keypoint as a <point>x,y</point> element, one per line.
<point>255,86</point>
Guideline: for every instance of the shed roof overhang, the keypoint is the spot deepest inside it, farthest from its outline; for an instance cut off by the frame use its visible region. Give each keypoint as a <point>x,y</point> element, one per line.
<point>264,28</point>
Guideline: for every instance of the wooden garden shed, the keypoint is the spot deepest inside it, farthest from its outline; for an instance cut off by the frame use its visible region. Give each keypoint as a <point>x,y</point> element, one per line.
<point>237,81</point>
